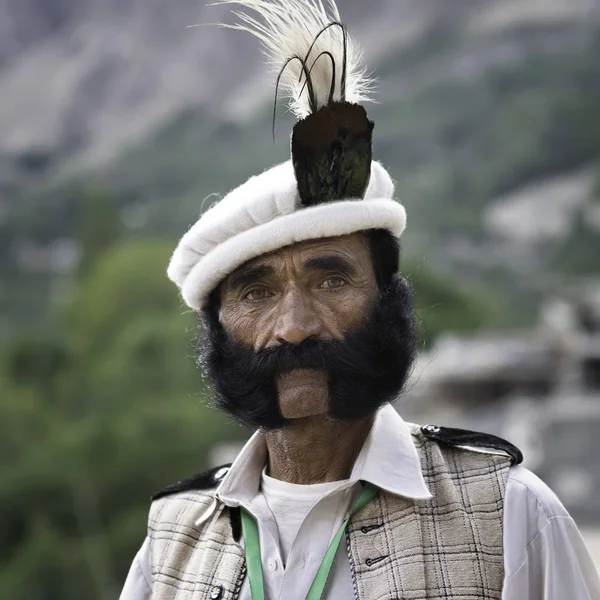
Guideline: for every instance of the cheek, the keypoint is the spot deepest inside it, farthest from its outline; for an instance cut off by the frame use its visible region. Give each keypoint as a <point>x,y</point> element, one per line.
<point>345,311</point>
<point>236,324</point>
<point>247,325</point>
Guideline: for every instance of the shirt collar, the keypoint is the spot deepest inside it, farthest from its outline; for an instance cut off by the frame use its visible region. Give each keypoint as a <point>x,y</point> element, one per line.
<point>242,482</point>
<point>388,460</point>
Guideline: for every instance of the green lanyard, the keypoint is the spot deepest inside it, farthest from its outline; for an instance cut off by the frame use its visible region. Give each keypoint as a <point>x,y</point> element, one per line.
<point>253,558</point>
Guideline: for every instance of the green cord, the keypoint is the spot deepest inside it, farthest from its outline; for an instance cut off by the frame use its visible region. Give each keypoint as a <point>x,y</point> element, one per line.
<point>253,556</point>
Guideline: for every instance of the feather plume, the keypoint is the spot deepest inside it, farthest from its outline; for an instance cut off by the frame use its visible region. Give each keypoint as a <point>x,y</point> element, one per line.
<point>306,42</point>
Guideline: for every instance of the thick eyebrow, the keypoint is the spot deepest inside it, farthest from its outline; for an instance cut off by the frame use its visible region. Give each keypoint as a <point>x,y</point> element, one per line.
<point>331,262</point>
<point>246,275</point>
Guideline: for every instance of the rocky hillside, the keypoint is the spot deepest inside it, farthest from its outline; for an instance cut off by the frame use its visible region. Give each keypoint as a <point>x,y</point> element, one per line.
<point>86,79</point>
<point>477,99</point>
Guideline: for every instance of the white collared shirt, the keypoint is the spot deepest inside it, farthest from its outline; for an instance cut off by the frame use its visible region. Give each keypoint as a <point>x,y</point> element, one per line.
<point>545,557</point>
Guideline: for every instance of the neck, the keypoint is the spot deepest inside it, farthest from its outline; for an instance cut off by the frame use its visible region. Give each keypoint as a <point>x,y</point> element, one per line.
<point>316,449</point>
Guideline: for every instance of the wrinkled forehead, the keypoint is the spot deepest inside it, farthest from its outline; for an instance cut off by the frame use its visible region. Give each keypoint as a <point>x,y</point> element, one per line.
<point>352,247</point>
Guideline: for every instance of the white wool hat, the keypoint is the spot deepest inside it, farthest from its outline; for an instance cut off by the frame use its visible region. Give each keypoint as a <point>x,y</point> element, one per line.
<point>265,214</point>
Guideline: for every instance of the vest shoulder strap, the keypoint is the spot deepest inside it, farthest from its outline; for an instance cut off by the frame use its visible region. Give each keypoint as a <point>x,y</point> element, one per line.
<point>472,440</point>
<point>202,481</point>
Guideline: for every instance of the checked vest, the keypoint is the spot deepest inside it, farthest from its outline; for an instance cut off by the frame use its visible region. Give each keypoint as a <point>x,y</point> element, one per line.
<point>448,547</point>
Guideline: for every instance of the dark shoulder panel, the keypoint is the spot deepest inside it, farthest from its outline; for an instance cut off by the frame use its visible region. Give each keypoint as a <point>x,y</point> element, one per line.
<point>202,481</point>
<point>462,437</point>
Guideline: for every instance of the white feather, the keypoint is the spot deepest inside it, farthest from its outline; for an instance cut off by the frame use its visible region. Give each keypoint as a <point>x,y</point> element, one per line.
<point>288,28</point>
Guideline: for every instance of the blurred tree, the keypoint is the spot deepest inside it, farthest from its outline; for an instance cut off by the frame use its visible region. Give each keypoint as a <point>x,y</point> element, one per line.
<point>36,362</point>
<point>442,304</point>
<point>99,225</point>
<point>579,253</point>
<point>126,281</point>
<point>126,415</point>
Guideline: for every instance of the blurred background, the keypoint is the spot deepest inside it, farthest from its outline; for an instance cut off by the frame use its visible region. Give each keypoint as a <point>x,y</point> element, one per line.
<point>117,121</point>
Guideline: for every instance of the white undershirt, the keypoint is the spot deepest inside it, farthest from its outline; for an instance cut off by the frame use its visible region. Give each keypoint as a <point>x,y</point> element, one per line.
<point>290,504</point>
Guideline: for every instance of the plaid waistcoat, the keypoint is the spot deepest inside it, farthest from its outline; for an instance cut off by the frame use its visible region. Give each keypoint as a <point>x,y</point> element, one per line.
<point>448,547</point>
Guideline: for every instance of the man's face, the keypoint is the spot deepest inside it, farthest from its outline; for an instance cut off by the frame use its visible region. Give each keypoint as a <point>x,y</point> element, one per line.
<point>315,290</point>
<point>308,330</point>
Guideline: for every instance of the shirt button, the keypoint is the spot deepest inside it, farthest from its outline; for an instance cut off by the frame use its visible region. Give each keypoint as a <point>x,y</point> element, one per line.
<point>272,564</point>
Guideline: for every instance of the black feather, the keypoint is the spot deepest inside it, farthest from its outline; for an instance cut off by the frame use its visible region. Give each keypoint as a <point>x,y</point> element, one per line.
<point>331,153</point>
<point>345,55</point>
<point>311,92</point>
<point>332,88</point>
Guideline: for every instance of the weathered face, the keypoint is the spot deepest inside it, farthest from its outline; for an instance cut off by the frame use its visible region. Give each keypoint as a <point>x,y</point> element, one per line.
<point>320,289</point>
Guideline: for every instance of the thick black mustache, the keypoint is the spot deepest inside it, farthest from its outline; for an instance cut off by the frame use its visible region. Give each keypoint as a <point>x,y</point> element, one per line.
<point>366,369</point>
<point>351,355</point>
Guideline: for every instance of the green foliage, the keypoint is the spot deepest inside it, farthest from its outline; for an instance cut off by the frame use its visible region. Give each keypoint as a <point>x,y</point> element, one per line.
<point>36,362</point>
<point>596,192</point>
<point>92,422</point>
<point>442,304</point>
<point>99,225</point>
<point>579,254</point>
<point>127,281</point>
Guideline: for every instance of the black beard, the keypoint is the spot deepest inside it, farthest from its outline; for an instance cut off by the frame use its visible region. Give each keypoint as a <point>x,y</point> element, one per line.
<point>366,370</point>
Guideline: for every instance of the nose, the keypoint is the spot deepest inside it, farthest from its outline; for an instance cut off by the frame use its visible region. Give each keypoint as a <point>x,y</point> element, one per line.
<point>297,320</point>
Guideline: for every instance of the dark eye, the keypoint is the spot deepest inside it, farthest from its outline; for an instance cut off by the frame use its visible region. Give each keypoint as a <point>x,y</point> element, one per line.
<point>256,294</point>
<point>333,282</point>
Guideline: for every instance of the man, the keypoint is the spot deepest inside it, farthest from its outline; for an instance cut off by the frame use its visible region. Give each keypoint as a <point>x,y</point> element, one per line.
<point>308,336</point>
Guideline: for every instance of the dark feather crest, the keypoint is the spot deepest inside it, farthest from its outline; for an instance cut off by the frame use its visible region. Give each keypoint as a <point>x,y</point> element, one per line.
<point>331,147</point>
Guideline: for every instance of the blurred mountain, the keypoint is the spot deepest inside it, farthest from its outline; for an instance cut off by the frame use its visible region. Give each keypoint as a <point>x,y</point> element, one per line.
<point>87,79</point>
<point>477,99</point>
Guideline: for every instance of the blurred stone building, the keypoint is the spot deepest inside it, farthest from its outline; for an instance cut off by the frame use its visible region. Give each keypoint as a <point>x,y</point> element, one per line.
<point>540,390</point>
